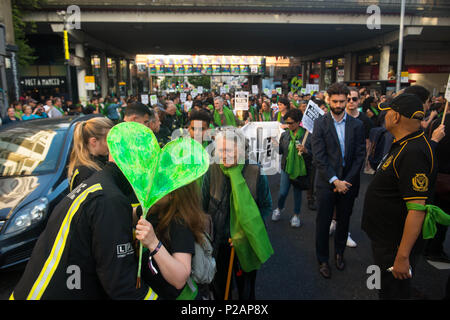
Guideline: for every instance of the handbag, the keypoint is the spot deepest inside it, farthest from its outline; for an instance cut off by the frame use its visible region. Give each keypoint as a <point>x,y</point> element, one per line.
<point>303,182</point>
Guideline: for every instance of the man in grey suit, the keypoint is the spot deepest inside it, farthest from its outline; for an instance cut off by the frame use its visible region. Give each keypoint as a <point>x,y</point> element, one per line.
<point>338,147</point>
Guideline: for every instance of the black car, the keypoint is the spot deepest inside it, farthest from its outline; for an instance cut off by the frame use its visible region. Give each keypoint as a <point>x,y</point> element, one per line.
<point>33,178</point>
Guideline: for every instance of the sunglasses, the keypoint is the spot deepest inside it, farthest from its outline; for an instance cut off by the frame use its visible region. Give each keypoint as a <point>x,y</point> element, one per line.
<point>354,99</point>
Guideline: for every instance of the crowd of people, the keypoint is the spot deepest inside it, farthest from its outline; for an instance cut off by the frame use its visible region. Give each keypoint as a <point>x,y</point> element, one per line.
<point>398,138</point>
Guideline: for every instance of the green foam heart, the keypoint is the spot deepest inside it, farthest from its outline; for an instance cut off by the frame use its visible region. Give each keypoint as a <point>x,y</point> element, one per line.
<point>154,172</point>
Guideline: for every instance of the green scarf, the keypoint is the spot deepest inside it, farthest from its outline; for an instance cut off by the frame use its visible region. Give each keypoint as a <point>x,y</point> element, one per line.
<point>229,118</point>
<point>434,215</point>
<point>249,235</point>
<point>267,116</point>
<point>279,116</point>
<point>295,164</point>
<point>374,110</point>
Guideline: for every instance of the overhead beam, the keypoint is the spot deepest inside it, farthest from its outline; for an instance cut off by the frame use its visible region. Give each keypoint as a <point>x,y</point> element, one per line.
<point>235,17</point>
<point>380,41</point>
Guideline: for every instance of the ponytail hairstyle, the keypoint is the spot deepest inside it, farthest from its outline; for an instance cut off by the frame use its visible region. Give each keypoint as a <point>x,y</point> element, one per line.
<point>84,130</point>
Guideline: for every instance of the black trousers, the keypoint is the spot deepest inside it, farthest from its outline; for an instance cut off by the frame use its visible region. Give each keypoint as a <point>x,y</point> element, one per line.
<point>327,200</point>
<point>243,281</point>
<point>384,257</point>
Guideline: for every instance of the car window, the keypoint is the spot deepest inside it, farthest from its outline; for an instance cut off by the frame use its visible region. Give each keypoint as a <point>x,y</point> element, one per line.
<point>30,151</point>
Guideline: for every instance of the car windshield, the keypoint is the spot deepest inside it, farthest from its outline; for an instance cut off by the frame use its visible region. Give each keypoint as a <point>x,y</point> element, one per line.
<point>26,151</point>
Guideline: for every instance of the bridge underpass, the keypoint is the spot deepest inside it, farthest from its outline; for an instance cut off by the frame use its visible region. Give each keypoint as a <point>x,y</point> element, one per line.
<point>315,33</point>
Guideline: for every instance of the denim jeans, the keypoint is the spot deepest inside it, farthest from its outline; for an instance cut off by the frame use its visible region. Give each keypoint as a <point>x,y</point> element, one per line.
<point>285,185</point>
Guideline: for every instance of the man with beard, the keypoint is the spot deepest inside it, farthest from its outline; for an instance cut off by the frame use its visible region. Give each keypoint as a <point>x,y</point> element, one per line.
<point>338,149</point>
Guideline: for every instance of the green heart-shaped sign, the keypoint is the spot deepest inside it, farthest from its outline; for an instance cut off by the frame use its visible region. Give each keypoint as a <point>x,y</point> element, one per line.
<point>154,172</point>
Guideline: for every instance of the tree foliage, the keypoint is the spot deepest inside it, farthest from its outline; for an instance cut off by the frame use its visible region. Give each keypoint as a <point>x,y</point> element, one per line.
<point>25,53</point>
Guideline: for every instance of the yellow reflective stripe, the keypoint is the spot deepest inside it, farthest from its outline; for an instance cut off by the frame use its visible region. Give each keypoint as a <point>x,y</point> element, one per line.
<point>73,178</point>
<point>151,295</point>
<point>12,296</point>
<point>58,246</point>
<point>135,205</point>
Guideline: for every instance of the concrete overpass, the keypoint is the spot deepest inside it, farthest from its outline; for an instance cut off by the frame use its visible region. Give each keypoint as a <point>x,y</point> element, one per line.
<point>311,30</point>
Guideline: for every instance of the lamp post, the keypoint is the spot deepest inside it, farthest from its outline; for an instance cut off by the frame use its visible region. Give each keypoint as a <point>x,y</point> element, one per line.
<point>66,53</point>
<point>400,48</point>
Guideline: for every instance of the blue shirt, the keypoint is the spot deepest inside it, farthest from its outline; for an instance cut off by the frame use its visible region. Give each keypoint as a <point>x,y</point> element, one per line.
<point>340,130</point>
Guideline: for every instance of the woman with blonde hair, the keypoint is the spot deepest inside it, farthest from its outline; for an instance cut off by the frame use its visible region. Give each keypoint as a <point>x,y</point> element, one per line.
<point>90,151</point>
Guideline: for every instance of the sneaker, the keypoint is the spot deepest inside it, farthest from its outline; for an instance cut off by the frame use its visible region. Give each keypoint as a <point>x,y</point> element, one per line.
<point>332,227</point>
<point>350,242</point>
<point>295,221</point>
<point>276,215</point>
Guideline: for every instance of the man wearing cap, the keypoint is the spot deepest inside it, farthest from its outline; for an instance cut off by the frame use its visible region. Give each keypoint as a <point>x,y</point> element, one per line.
<point>405,175</point>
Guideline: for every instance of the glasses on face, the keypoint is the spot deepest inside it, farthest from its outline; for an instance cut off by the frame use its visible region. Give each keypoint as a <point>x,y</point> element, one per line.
<point>354,99</point>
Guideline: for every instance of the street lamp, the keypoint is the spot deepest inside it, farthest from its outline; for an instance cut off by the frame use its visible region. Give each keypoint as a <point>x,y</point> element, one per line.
<point>400,48</point>
<point>63,14</point>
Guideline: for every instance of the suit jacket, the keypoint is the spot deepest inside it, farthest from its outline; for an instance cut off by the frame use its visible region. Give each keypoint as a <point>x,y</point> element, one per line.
<point>327,153</point>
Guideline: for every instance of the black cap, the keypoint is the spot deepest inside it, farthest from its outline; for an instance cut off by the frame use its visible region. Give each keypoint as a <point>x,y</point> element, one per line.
<point>408,105</point>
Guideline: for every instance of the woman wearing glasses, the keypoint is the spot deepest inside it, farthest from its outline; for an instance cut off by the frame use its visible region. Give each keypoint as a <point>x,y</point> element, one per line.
<point>295,162</point>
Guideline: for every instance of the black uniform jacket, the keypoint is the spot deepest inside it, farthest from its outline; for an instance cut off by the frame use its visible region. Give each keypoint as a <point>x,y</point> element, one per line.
<point>86,250</point>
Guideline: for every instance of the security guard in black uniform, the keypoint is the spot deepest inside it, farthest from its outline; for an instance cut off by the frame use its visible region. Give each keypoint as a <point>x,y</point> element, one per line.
<point>406,174</point>
<point>86,250</point>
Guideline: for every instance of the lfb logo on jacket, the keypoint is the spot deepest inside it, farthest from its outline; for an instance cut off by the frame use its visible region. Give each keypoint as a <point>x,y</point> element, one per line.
<point>124,250</point>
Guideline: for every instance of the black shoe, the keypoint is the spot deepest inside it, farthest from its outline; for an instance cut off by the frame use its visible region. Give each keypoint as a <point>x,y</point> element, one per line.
<point>340,263</point>
<point>438,257</point>
<point>324,270</point>
<point>312,205</point>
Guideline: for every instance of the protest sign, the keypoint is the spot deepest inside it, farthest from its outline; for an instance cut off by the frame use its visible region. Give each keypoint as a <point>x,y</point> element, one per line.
<point>144,98</point>
<point>312,112</point>
<point>241,100</point>
<point>255,89</point>
<point>261,137</point>
<point>187,106</point>
<point>153,99</point>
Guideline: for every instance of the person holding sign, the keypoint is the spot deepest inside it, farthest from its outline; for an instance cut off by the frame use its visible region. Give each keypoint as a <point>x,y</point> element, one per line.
<point>338,149</point>
<point>294,165</point>
<point>222,115</point>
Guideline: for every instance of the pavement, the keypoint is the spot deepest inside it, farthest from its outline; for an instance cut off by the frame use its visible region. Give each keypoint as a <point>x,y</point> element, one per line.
<point>292,272</point>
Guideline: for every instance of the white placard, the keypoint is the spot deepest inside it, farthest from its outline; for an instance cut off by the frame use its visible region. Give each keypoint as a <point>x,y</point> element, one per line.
<point>279,90</point>
<point>187,106</point>
<point>222,90</point>
<point>183,97</point>
<point>194,93</point>
<point>310,88</point>
<point>227,88</point>
<point>447,92</point>
<point>312,112</point>
<point>241,101</point>
<point>153,99</point>
<point>255,89</point>
<point>200,89</point>
<point>144,98</point>
<point>261,147</point>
